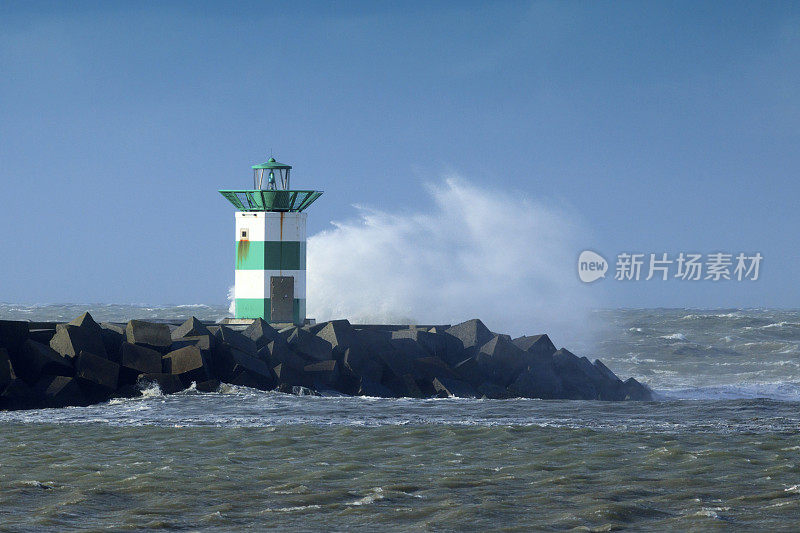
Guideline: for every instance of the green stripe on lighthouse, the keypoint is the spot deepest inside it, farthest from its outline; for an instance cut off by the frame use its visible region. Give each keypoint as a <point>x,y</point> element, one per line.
<point>252,308</point>
<point>260,307</point>
<point>270,255</point>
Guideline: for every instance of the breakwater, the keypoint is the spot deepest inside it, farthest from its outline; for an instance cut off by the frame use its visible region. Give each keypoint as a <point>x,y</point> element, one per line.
<point>84,362</point>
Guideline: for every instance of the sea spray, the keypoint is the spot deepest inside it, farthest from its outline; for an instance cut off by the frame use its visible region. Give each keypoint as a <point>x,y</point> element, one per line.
<point>477,252</point>
<point>231,301</point>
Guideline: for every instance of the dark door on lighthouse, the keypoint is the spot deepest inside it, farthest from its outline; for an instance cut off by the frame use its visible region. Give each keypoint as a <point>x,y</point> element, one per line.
<point>281,298</point>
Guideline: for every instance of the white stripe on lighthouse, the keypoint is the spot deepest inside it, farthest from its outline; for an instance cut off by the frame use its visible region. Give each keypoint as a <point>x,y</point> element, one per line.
<point>250,284</point>
<point>299,281</point>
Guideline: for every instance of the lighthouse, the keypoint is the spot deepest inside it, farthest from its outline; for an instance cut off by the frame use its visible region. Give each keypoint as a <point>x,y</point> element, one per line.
<point>270,278</point>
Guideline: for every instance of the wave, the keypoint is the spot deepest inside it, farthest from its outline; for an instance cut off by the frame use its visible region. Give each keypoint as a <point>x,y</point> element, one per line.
<point>475,252</point>
<point>674,337</point>
<point>779,391</point>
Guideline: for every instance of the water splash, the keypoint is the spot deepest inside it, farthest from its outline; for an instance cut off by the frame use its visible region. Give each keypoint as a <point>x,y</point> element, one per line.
<point>231,301</point>
<point>477,252</point>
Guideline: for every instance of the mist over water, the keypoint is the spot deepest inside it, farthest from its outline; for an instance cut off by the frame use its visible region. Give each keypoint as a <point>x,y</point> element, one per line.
<point>469,252</point>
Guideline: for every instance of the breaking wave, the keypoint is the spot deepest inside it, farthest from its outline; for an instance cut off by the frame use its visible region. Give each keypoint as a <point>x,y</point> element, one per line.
<point>779,391</point>
<point>475,252</point>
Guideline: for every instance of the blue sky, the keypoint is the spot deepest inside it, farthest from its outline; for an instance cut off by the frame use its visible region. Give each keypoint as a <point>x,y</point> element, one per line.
<point>664,127</point>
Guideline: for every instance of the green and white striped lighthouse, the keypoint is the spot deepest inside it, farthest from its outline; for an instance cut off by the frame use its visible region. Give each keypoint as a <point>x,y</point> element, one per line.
<point>270,280</point>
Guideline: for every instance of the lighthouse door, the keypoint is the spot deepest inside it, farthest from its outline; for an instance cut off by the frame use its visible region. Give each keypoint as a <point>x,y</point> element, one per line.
<point>281,298</point>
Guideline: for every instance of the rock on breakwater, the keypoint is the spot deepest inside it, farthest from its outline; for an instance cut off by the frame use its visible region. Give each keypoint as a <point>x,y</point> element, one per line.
<point>83,362</point>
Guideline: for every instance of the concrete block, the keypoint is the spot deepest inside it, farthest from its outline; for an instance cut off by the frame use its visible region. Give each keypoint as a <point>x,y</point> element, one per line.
<point>434,343</point>
<point>61,391</point>
<point>85,321</point>
<point>500,360</point>
<point>313,347</point>
<point>6,372</point>
<point>339,334</point>
<point>468,370</point>
<point>130,390</point>
<point>236,340</point>
<point>636,391</point>
<point>440,390</point>
<point>116,328</point>
<point>542,383</point>
<point>375,389</point>
<point>538,344</point>
<point>192,327</point>
<point>362,364</point>
<point>260,332</point>
<point>278,352</point>
<point>349,381</point>
<point>96,374</point>
<point>43,336</point>
<point>605,371</point>
<point>20,395</point>
<point>251,371</point>
<point>134,360</point>
<point>323,374</point>
<point>113,336</point>
<point>607,385</point>
<point>186,359</point>
<point>167,383</point>
<point>396,361</point>
<point>284,332</point>
<point>244,378</point>
<point>456,387</point>
<point>13,333</point>
<point>148,334</point>
<point>374,341</point>
<point>446,347</point>
<point>408,347</point>
<point>37,359</point>
<point>205,343</point>
<point>428,368</point>
<point>70,341</point>
<point>290,376</point>
<point>315,328</point>
<point>412,387</point>
<point>492,391</point>
<point>471,333</point>
<point>426,388</point>
<point>578,383</point>
<point>222,363</point>
<point>187,363</point>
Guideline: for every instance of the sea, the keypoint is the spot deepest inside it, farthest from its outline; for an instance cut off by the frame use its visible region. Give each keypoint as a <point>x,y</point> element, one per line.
<point>718,450</point>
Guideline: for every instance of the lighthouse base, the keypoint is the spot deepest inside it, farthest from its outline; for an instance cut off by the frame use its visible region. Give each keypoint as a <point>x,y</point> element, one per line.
<point>278,325</point>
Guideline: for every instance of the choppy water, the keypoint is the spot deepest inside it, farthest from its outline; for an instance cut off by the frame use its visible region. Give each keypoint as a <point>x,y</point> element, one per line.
<point>721,450</point>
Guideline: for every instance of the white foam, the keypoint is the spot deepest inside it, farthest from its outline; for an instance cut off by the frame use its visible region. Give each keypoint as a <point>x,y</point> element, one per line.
<point>476,252</point>
<point>377,494</point>
<point>151,390</point>
<point>782,324</point>
<point>231,300</point>
<point>783,391</point>
<point>292,509</point>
